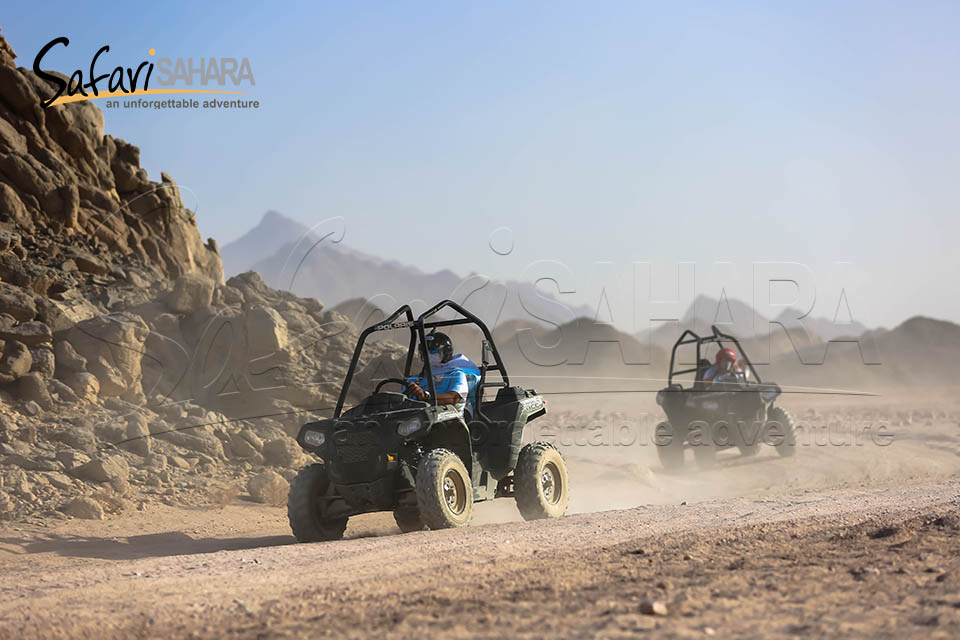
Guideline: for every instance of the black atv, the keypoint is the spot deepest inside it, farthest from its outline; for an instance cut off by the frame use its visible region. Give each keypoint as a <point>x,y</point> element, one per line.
<point>709,416</point>
<point>426,463</point>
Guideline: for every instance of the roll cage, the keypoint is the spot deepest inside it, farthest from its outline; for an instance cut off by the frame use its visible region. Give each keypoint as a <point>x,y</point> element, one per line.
<point>718,337</point>
<point>418,338</point>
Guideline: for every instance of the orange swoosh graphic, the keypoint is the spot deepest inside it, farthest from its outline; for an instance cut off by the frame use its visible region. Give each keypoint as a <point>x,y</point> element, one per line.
<point>79,97</point>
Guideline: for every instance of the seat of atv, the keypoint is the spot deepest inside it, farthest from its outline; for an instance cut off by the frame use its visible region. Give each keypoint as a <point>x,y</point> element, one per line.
<point>702,367</point>
<point>491,411</point>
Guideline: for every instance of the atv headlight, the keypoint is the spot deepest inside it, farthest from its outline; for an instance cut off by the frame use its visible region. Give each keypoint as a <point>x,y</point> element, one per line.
<point>409,426</point>
<point>769,395</point>
<point>660,395</point>
<point>314,438</point>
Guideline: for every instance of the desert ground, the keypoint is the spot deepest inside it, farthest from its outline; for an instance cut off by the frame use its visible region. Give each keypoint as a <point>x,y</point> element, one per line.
<point>852,537</point>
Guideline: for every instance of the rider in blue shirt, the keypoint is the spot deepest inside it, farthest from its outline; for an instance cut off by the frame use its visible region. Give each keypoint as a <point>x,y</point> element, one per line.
<point>454,376</point>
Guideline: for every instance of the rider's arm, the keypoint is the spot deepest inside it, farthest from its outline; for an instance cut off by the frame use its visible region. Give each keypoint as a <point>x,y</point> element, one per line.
<point>709,376</point>
<point>454,388</point>
<point>450,397</point>
<point>447,397</point>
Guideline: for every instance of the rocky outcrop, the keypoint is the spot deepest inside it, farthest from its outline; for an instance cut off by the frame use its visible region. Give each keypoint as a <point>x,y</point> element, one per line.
<point>62,177</point>
<point>129,370</point>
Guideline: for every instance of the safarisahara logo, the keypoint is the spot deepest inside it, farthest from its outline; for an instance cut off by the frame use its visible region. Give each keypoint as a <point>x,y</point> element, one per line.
<point>194,75</point>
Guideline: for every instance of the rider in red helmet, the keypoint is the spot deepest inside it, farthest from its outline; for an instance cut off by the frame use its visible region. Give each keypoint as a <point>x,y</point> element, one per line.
<point>725,369</point>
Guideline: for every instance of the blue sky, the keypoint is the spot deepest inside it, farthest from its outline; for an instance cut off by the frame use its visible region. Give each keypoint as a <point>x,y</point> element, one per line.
<point>661,132</point>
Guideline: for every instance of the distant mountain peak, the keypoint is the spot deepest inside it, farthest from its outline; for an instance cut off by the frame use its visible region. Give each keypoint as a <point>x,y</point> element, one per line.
<point>274,231</point>
<point>275,216</point>
<point>274,220</point>
<point>318,262</point>
<point>707,311</point>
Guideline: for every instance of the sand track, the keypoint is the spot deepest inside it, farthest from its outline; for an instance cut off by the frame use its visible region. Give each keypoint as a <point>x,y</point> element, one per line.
<point>248,584</point>
<point>852,540</point>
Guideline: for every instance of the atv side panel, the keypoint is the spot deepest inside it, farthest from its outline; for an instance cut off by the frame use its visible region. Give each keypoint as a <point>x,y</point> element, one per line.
<point>498,430</point>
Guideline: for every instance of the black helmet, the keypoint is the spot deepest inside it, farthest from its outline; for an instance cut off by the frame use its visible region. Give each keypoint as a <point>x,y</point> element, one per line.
<point>441,343</point>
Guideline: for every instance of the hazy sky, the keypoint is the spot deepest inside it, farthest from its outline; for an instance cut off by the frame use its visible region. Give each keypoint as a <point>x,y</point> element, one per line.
<point>661,132</point>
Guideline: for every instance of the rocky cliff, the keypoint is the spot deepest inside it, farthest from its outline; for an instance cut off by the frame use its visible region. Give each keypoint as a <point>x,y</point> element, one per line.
<point>129,370</point>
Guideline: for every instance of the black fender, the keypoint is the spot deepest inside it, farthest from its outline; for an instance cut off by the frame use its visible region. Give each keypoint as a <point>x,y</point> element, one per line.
<point>454,436</point>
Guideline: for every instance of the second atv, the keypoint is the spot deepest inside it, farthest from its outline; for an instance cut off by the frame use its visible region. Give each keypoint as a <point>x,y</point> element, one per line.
<point>427,463</point>
<point>707,417</point>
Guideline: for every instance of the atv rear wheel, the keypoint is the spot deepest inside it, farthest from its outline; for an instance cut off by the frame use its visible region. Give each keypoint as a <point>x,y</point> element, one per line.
<point>408,520</point>
<point>788,429</point>
<point>671,453</point>
<point>305,507</point>
<point>444,492</point>
<point>540,482</point>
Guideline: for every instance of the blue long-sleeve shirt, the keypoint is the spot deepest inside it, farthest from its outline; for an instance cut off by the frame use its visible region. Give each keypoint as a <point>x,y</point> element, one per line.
<point>457,374</point>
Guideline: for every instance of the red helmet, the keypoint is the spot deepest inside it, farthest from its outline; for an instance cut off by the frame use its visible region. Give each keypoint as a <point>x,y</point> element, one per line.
<point>726,354</point>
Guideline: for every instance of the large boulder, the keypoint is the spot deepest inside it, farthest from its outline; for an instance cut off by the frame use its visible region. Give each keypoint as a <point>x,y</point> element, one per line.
<point>6,504</point>
<point>266,332</point>
<point>44,362</point>
<point>12,204</point>
<point>268,487</point>
<point>79,438</point>
<point>113,348</point>
<point>137,436</point>
<point>197,441</point>
<point>282,452</point>
<point>84,385</point>
<point>32,386</point>
<point>67,359</point>
<point>64,314</point>
<point>72,459</point>
<point>17,302</point>
<point>8,239</point>
<point>113,468</point>
<point>62,392</point>
<point>31,463</point>
<point>15,361</point>
<point>190,292</point>
<point>240,447</point>
<point>84,508</point>
<point>31,333</point>
<point>89,263</point>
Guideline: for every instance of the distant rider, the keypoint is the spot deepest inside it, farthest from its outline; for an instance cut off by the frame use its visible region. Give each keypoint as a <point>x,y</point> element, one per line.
<point>725,368</point>
<point>454,376</point>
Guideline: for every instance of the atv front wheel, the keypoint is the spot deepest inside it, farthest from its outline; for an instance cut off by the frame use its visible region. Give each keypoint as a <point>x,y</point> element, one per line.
<point>444,492</point>
<point>305,507</point>
<point>788,447</point>
<point>540,482</point>
<point>408,520</point>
